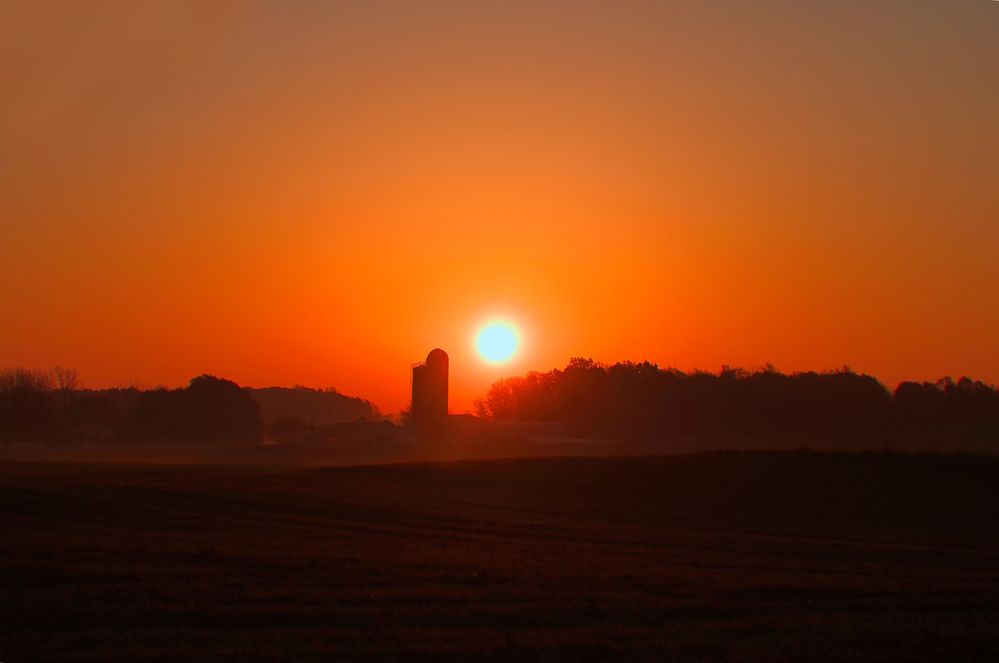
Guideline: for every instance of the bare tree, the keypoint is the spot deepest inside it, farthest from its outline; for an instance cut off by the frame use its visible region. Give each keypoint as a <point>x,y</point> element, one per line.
<point>67,381</point>
<point>24,380</point>
<point>25,403</point>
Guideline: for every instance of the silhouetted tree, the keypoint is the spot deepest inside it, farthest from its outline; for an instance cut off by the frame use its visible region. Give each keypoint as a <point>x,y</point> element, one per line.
<point>209,409</point>
<point>66,382</point>
<point>26,407</point>
<point>644,401</point>
<point>315,406</point>
<point>966,407</point>
<point>287,426</point>
<point>97,417</point>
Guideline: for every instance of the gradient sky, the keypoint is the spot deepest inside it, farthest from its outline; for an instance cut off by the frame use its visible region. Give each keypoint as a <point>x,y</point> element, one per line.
<point>320,192</point>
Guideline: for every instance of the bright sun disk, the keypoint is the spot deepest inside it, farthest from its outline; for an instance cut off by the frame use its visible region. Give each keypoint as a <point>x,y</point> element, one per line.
<point>497,341</point>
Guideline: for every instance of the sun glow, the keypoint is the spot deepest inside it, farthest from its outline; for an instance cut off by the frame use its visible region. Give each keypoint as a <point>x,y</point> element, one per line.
<point>497,341</point>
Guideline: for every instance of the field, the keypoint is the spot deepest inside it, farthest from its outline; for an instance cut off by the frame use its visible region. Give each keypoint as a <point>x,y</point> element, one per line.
<point>720,556</point>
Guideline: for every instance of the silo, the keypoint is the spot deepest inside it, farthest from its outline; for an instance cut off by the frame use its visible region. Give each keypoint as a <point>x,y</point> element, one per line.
<point>429,404</point>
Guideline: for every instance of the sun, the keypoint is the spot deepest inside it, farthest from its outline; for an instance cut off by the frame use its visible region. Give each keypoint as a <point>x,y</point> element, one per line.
<point>497,341</point>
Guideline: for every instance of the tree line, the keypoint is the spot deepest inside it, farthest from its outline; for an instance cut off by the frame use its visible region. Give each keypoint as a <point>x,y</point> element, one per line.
<point>624,400</point>
<point>49,406</point>
<point>642,400</point>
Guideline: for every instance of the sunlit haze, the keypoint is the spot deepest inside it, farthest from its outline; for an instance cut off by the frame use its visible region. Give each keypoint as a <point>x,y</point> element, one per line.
<point>320,193</point>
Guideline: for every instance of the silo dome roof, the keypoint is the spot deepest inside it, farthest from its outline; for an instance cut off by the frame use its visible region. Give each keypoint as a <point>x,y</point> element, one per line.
<point>437,355</point>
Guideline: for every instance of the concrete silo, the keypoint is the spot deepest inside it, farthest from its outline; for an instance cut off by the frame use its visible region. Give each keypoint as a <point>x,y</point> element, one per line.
<point>429,404</point>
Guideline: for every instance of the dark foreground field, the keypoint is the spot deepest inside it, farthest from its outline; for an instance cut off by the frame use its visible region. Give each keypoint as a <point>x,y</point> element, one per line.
<point>750,556</point>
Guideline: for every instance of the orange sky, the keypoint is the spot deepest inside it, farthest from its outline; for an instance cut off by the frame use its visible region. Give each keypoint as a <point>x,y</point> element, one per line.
<point>285,193</point>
